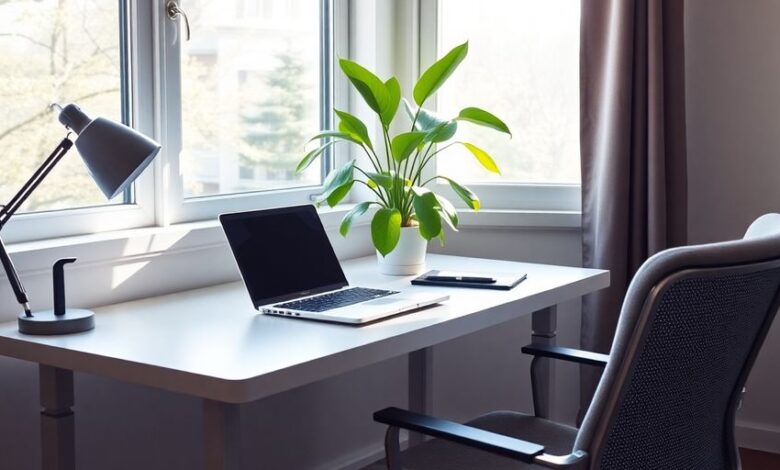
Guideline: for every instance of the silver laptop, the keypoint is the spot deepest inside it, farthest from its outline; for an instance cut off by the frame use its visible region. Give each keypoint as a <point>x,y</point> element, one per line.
<point>290,269</point>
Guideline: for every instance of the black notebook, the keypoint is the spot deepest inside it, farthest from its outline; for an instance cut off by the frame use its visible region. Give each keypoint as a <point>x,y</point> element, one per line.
<point>503,281</point>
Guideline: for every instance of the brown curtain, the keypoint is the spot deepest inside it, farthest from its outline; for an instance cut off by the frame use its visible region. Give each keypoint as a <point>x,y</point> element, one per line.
<point>632,137</point>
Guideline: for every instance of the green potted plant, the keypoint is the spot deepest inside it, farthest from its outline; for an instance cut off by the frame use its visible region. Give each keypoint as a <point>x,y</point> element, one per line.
<point>409,214</point>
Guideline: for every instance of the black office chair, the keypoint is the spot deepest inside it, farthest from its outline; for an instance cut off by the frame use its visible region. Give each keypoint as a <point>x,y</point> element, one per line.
<point>692,323</point>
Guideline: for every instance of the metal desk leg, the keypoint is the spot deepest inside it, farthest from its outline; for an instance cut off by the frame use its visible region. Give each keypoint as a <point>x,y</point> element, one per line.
<point>58,442</point>
<point>544,325</point>
<point>221,436</point>
<point>420,386</point>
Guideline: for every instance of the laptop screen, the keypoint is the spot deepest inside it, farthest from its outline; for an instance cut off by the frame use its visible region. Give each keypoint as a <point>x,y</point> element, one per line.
<point>282,253</point>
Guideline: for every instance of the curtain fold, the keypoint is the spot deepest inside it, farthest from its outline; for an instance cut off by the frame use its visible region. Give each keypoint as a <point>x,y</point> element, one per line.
<point>633,155</point>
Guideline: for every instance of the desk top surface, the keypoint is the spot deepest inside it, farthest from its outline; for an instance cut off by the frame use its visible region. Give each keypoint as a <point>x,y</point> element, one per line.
<point>212,343</point>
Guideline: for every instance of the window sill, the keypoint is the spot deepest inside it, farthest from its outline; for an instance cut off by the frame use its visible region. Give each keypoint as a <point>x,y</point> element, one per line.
<point>109,247</point>
<point>520,219</point>
<point>130,264</point>
<point>134,244</point>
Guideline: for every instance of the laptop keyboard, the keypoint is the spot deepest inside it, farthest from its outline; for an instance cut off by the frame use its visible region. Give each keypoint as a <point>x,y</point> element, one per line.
<point>341,298</point>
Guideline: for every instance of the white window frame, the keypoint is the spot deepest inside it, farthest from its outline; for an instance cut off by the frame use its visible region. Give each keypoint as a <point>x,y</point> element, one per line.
<point>140,213</point>
<point>499,196</point>
<point>153,105</point>
<point>172,206</point>
<point>401,38</point>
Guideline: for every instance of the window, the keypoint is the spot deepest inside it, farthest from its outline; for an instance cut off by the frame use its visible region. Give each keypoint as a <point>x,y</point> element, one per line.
<point>232,106</point>
<point>523,66</point>
<point>252,90</point>
<point>55,51</point>
<point>250,98</point>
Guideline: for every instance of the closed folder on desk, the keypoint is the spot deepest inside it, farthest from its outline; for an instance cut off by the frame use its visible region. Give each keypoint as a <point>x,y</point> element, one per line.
<point>503,281</point>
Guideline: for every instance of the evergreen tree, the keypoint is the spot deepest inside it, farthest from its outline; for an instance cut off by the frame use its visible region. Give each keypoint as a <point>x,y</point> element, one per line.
<point>274,126</point>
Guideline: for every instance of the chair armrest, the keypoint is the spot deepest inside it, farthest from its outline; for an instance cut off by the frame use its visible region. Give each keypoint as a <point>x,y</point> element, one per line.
<point>567,354</point>
<point>460,433</point>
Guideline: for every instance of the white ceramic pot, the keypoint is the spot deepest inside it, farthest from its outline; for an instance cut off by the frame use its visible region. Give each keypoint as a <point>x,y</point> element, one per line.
<point>408,257</point>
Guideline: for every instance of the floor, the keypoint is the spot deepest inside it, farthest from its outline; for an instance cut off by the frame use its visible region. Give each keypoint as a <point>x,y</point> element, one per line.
<point>751,460</point>
<point>757,460</point>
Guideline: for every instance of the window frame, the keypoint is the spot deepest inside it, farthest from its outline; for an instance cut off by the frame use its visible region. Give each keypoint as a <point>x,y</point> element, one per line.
<point>110,217</point>
<point>150,101</point>
<point>172,206</point>
<point>158,193</point>
<point>501,196</point>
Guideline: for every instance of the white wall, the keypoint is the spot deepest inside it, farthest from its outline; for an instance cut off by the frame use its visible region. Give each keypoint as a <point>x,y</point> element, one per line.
<point>733,100</point>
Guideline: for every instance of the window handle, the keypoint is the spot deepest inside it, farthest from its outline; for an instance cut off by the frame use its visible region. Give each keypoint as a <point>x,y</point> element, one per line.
<point>174,12</point>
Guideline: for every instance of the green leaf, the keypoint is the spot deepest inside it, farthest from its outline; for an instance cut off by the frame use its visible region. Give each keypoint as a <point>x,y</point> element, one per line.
<point>393,100</point>
<point>387,180</point>
<point>339,193</point>
<point>383,179</point>
<point>442,238</point>
<point>353,214</point>
<point>337,184</point>
<point>353,126</point>
<point>448,212</point>
<point>483,118</point>
<point>334,135</point>
<point>483,157</point>
<point>438,129</point>
<point>426,206</point>
<point>311,156</point>
<point>370,87</point>
<point>438,73</point>
<point>464,193</point>
<point>442,133</point>
<point>404,144</point>
<point>386,229</point>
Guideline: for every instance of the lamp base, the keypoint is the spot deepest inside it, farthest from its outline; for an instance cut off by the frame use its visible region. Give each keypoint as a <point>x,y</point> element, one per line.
<point>47,323</point>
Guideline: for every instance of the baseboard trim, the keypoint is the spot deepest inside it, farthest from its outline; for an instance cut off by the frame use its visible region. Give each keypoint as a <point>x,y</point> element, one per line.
<point>758,436</point>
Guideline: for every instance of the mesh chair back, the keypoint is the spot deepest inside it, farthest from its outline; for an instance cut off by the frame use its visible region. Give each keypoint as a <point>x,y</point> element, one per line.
<point>692,323</point>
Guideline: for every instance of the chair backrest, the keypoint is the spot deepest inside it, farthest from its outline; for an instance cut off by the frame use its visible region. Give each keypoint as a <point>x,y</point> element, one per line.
<point>692,323</point>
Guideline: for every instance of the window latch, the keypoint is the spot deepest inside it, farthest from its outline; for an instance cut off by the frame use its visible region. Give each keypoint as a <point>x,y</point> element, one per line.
<point>174,12</point>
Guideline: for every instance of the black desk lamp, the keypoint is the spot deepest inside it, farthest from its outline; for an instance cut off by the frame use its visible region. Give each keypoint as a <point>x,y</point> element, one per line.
<point>115,155</point>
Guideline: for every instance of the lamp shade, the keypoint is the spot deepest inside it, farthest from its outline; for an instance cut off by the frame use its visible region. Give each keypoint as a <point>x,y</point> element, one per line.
<point>114,153</point>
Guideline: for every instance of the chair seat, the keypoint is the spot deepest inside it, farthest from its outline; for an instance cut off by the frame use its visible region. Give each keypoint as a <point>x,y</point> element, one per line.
<point>438,454</point>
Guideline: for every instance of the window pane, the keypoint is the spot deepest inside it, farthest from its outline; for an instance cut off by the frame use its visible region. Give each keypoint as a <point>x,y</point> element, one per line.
<point>250,94</point>
<point>54,51</point>
<point>523,66</point>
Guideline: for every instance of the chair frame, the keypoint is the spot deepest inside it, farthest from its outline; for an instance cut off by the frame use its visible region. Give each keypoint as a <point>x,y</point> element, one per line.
<point>530,452</point>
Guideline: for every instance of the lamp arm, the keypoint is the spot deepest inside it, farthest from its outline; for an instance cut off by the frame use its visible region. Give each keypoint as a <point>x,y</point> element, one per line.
<point>13,279</point>
<point>14,204</point>
<point>27,189</point>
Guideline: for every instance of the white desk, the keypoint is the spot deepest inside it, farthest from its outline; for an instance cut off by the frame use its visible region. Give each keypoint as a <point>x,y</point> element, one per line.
<point>212,344</point>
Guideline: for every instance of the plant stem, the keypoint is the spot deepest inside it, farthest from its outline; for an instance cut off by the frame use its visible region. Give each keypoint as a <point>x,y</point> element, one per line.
<point>428,159</point>
<point>416,156</point>
<point>405,203</point>
<point>376,164</point>
<point>388,157</point>
<point>374,191</point>
<point>429,180</point>
<point>416,115</point>
<point>377,191</point>
<point>406,167</point>
<point>396,197</point>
